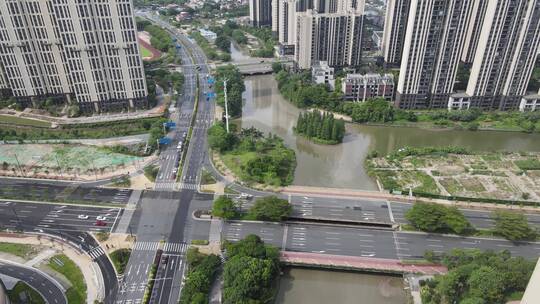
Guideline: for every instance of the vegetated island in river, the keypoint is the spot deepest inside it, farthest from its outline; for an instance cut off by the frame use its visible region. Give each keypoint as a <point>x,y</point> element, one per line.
<point>456,173</point>
<point>322,128</point>
<point>251,156</point>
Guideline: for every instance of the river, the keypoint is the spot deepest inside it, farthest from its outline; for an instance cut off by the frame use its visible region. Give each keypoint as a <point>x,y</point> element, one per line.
<point>309,286</point>
<point>341,165</point>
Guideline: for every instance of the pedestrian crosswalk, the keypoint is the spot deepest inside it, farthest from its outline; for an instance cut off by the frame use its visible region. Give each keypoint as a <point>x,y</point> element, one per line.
<point>175,247</point>
<point>146,246</point>
<point>178,248</point>
<point>187,186</point>
<point>165,185</point>
<point>96,252</point>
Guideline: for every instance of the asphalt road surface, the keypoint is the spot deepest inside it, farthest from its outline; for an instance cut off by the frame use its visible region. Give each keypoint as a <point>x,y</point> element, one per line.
<point>368,242</point>
<point>54,191</point>
<point>49,290</point>
<point>164,214</point>
<point>48,218</point>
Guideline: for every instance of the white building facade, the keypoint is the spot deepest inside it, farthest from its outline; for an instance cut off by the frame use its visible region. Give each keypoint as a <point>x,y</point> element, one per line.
<point>79,51</point>
<point>335,38</point>
<point>260,12</point>
<point>507,51</point>
<point>432,50</point>
<point>395,26</point>
<point>360,88</point>
<point>322,73</point>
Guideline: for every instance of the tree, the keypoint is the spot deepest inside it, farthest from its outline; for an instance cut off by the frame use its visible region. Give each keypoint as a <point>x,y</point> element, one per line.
<point>250,272</point>
<point>270,208</point>
<point>426,216</point>
<point>219,139</point>
<point>488,284</point>
<point>456,221</point>
<point>224,207</point>
<point>433,217</point>
<point>513,226</point>
<point>223,43</point>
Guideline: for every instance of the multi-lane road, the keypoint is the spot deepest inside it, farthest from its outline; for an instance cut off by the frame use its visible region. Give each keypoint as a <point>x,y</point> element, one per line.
<point>49,289</point>
<point>367,242</point>
<point>164,219</point>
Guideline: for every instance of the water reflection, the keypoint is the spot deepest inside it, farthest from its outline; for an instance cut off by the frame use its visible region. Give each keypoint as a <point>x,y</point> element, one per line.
<point>299,285</point>
<point>342,165</point>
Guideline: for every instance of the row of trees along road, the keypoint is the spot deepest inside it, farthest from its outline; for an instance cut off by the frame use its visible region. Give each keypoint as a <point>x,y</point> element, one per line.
<point>438,218</point>
<point>321,127</point>
<point>269,208</point>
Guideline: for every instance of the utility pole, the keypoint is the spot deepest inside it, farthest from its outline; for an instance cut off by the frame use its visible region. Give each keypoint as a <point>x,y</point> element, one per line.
<point>19,164</point>
<point>94,165</point>
<point>16,216</point>
<point>226,107</point>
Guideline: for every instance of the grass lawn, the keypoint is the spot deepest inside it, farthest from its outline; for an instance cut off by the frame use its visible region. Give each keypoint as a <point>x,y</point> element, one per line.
<point>31,296</point>
<point>235,161</point>
<point>144,51</point>
<point>8,119</point>
<point>20,250</point>
<point>120,259</point>
<point>77,292</point>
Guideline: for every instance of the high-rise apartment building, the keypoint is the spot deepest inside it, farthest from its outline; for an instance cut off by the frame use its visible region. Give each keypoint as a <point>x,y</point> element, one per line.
<point>432,49</point>
<point>79,51</point>
<point>260,12</point>
<point>507,51</point>
<point>395,26</point>
<point>335,38</point>
<point>287,22</point>
<point>474,29</point>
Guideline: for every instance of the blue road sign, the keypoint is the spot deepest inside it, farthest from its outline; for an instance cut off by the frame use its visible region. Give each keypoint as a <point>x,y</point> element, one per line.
<point>210,80</point>
<point>169,124</point>
<point>164,141</point>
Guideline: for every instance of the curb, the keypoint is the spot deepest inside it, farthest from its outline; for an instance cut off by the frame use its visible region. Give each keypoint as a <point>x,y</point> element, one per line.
<point>54,281</point>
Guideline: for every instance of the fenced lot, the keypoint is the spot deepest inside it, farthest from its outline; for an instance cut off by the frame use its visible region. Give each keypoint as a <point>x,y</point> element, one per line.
<point>502,176</point>
<point>62,159</point>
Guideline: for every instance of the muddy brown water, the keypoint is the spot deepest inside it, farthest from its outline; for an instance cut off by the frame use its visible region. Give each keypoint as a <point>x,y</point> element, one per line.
<point>310,286</point>
<point>341,165</point>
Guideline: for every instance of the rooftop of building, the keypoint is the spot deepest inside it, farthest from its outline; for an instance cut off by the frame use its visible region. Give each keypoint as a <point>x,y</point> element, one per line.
<point>370,77</point>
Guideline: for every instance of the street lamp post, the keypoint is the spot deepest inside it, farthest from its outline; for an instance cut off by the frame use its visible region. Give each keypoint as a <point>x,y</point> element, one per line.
<point>226,106</point>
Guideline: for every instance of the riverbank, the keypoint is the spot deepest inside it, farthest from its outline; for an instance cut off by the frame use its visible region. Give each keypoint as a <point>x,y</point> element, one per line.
<point>302,92</point>
<point>342,166</point>
<point>456,172</point>
<point>253,157</point>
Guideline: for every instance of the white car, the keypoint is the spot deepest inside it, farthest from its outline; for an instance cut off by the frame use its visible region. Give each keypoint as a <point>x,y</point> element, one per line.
<point>101,218</point>
<point>82,217</point>
<point>244,196</point>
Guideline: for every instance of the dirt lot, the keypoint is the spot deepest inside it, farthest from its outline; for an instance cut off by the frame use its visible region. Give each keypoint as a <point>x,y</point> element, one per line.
<point>507,176</point>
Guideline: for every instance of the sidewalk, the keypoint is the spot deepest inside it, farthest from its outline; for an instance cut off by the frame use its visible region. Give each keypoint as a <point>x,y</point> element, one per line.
<point>94,290</point>
<point>359,263</point>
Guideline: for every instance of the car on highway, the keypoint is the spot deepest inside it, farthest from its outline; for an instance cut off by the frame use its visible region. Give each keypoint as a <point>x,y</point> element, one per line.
<point>101,218</point>
<point>82,217</point>
<point>244,196</point>
<point>100,223</point>
<point>184,135</point>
